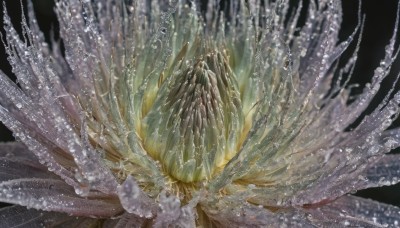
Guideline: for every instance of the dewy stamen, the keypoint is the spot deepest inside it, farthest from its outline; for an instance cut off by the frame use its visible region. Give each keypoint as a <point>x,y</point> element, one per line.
<point>196,98</point>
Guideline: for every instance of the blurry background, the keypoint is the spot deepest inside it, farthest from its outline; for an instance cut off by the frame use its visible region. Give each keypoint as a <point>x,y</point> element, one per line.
<point>378,28</point>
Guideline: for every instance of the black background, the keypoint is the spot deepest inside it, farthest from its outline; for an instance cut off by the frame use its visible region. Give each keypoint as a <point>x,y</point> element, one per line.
<point>378,28</point>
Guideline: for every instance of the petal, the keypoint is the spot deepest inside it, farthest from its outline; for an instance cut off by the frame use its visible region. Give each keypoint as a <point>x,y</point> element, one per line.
<point>43,152</point>
<point>134,200</point>
<point>16,149</point>
<point>386,171</point>
<point>79,222</point>
<point>16,161</point>
<point>172,214</point>
<point>346,211</point>
<point>233,212</point>
<point>17,168</point>
<point>126,221</point>
<point>383,171</point>
<point>55,195</point>
<point>17,216</point>
<point>355,212</point>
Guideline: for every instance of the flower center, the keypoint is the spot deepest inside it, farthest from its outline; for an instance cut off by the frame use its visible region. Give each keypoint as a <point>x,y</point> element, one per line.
<point>195,124</point>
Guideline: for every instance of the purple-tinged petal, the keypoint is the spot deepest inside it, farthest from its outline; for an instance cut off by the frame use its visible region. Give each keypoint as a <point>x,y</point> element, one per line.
<point>17,216</point>
<point>16,161</point>
<point>17,149</point>
<point>12,168</point>
<point>230,212</point>
<point>79,222</point>
<point>125,221</point>
<point>386,171</point>
<point>134,200</point>
<point>21,217</point>
<point>43,152</point>
<point>383,171</point>
<point>391,138</point>
<point>55,195</point>
<point>45,115</point>
<point>172,214</point>
<point>355,212</point>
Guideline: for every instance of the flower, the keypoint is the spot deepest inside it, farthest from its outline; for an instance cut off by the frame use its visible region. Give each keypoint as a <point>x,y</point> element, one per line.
<point>156,113</point>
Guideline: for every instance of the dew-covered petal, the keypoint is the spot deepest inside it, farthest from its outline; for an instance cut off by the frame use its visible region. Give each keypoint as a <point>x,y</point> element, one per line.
<point>40,149</point>
<point>17,216</point>
<point>16,161</point>
<point>21,217</point>
<point>16,149</point>
<point>80,222</point>
<point>55,195</point>
<point>375,172</point>
<point>84,156</point>
<point>48,111</point>
<point>20,168</point>
<point>134,200</point>
<point>172,214</point>
<point>391,138</point>
<point>346,211</point>
<point>126,220</point>
<point>99,56</point>
<point>354,211</point>
<point>386,171</point>
<point>231,212</point>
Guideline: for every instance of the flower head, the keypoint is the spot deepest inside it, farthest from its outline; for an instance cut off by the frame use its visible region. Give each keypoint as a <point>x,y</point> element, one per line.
<point>158,113</point>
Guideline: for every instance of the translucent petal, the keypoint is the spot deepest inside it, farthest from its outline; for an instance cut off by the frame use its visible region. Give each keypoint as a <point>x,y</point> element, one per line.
<point>51,119</point>
<point>355,212</point>
<point>16,161</point>
<point>17,150</point>
<point>79,222</point>
<point>38,148</point>
<point>55,195</point>
<point>231,212</point>
<point>134,200</point>
<point>172,214</point>
<point>346,211</point>
<point>17,216</point>
<point>125,221</point>
<point>20,168</point>
<point>375,172</point>
<point>386,171</point>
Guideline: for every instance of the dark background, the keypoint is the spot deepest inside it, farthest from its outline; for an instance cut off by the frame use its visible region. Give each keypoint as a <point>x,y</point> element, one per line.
<point>378,28</point>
